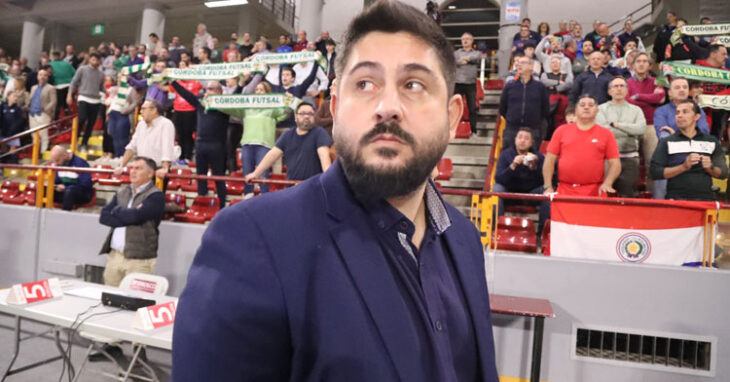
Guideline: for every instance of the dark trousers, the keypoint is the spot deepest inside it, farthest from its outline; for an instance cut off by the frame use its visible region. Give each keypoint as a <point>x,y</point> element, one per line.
<point>107,144</point>
<point>119,128</point>
<point>72,196</point>
<point>510,132</point>
<point>233,141</point>
<point>185,125</point>
<point>718,120</point>
<point>211,155</point>
<point>470,92</point>
<point>625,184</point>
<point>87,118</point>
<point>61,103</point>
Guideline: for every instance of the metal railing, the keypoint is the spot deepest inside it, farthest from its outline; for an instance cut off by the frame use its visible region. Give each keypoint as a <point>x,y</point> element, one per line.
<point>643,14</point>
<point>284,10</point>
<point>35,132</point>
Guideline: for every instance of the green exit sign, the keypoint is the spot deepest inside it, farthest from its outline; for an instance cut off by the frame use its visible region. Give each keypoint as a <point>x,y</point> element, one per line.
<point>97,30</point>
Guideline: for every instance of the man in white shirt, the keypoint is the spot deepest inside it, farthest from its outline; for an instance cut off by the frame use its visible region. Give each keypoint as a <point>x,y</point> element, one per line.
<point>154,138</point>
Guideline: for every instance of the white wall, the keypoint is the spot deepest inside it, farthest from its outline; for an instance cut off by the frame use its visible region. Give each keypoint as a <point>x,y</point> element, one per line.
<point>582,11</point>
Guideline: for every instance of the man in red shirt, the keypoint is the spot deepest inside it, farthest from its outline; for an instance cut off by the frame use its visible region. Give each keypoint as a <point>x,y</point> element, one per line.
<point>302,42</point>
<point>716,59</point>
<point>582,148</point>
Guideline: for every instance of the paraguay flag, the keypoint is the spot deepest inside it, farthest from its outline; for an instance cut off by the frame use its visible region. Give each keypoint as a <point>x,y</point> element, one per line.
<point>639,231</point>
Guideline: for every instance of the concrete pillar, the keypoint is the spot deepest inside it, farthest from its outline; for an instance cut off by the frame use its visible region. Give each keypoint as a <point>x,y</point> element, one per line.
<point>250,22</point>
<point>310,18</point>
<point>507,30</point>
<point>59,36</point>
<point>31,43</point>
<point>153,21</point>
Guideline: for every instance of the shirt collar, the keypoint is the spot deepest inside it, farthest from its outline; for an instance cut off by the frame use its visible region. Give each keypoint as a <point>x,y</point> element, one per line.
<point>141,188</point>
<point>387,217</point>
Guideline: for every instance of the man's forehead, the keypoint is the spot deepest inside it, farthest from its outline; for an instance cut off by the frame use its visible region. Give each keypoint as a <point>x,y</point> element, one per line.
<point>389,50</point>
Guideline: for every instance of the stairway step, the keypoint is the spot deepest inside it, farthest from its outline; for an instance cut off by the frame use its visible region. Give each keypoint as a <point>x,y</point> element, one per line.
<point>488,111</point>
<point>482,151</point>
<point>479,140</point>
<point>468,160</point>
<point>476,184</point>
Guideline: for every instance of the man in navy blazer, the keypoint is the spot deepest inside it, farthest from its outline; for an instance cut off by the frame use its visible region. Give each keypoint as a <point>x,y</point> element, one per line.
<point>362,273</point>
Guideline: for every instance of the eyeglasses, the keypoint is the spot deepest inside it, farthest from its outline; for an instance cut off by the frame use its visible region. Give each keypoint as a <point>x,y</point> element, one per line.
<point>306,114</point>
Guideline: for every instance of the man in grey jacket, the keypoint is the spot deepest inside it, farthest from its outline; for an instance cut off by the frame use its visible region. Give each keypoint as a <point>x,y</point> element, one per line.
<point>89,81</point>
<point>134,215</point>
<point>628,125</point>
<point>467,60</point>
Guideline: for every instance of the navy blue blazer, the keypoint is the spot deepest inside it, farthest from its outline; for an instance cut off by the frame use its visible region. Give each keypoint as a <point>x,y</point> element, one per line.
<point>293,286</point>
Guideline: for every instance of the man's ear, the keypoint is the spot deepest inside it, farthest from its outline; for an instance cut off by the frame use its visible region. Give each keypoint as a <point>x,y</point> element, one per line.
<point>456,108</point>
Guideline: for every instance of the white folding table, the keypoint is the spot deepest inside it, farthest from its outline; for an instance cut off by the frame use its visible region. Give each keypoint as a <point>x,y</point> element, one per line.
<point>62,312</point>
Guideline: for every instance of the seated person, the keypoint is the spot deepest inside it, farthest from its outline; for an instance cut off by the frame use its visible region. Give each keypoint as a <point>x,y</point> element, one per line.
<point>72,188</point>
<point>520,170</point>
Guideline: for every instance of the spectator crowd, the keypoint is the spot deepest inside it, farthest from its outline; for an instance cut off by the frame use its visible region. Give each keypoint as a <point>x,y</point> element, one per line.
<point>591,103</point>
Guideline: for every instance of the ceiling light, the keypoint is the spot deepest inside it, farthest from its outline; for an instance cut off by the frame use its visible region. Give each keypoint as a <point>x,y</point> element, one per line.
<point>452,6</point>
<point>224,3</point>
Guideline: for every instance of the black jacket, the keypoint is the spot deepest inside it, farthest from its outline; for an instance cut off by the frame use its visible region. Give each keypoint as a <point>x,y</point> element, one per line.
<point>524,104</point>
<point>595,85</point>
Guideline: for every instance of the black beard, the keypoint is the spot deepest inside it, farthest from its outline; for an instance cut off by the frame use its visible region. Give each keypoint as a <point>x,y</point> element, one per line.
<point>369,183</point>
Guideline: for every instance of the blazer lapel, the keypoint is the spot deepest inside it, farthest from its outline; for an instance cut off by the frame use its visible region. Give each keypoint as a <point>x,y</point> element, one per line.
<point>475,292</point>
<point>366,263</point>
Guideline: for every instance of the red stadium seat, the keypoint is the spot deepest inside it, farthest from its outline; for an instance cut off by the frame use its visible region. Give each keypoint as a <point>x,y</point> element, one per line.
<point>9,189</point>
<point>464,130</point>
<point>234,188</point>
<point>178,199</point>
<point>276,187</point>
<point>516,234</point>
<point>96,176</point>
<point>115,180</point>
<point>445,168</point>
<point>202,210</point>
<point>175,184</point>
<point>234,201</point>
<point>26,197</point>
<point>190,187</point>
<point>494,85</point>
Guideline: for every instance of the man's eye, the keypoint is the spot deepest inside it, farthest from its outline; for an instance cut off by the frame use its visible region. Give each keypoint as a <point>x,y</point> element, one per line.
<point>365,85</point>
<point>415,86</point>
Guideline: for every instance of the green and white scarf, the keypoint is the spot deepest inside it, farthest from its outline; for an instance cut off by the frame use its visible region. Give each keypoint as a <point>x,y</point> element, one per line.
<point>211,72</point>
<point>723,40</point>
<point>691,72</point>
<point>250,101</point>
<point>122,87</point>
<point>292,58</point>
<point>706,29</point>
<point>715,101</point>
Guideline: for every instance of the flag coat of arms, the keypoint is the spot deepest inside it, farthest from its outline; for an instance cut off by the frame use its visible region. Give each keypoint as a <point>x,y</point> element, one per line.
<point>670,233</point>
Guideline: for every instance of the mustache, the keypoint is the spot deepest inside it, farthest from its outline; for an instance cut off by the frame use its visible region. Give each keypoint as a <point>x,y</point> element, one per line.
<point>392,128</point>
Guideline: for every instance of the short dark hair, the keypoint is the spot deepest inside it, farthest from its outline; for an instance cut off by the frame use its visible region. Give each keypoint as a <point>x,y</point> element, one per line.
<point>642,54</point>
<point>304,104</point>
<point>525,129</point>
<point>705,19</point>
<point>586,95</point>
<point>526,19</point>
<point>153,34</point>
<point>695,106</point>
<point>392,17</point>
<point>529,44</point>
<point>206,50</point>
<point>678,79</point>
<point>290,70</point>
<point>683,20</point>
<point>714,48</point>
<point>330,41</point>
<point>570,109</point>
<point>617,78</point>
<point>149,162</point>
<point>160,108</point>
<point>695,84</point>
<point>56,53</point>
<point>97,55</point>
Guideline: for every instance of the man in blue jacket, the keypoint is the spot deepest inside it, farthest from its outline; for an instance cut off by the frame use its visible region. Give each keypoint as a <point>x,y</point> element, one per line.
<point>524,102</point>
<point>362,273</point>
<point>71,188</point>
<point>593,81</point>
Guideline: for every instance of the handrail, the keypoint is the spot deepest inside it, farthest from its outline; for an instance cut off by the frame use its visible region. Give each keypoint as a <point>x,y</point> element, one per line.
<point>630,15</point>
<point>170,175</point>
<point>39,128</point>
<point>494,155</point>
<point>446,191</point>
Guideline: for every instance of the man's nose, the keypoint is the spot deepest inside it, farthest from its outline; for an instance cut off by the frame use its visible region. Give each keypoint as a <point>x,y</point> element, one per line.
<point>390,107</point>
